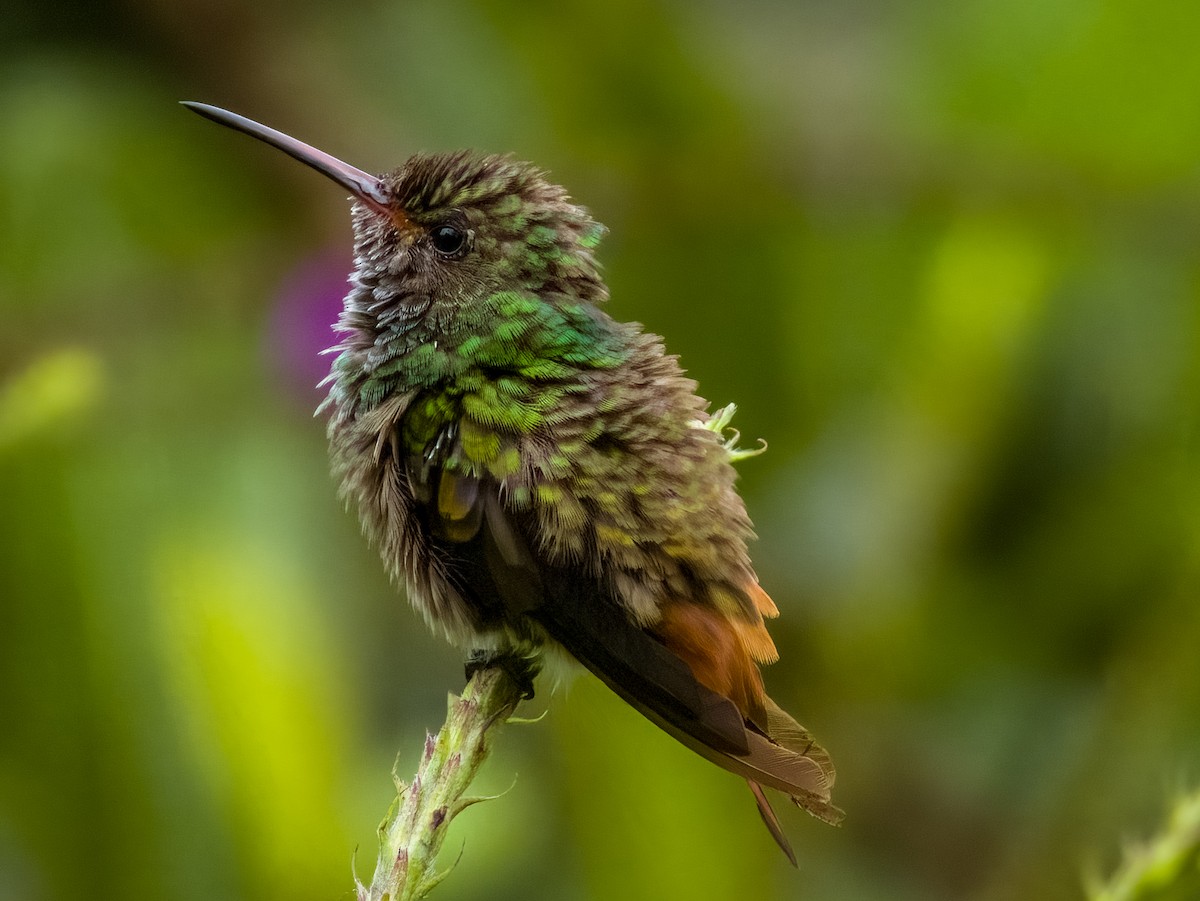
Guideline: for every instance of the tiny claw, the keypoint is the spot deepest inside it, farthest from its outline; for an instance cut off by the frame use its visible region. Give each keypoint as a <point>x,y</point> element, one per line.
<point>520,669</point>
<point>477,660</point>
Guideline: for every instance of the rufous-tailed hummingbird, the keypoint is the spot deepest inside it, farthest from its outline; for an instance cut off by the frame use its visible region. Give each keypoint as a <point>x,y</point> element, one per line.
<point>541,475</point>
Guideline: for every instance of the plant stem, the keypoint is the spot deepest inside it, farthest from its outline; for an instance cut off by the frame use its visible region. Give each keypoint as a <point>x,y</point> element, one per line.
<point>415,827</point>
<point>1166,868</point>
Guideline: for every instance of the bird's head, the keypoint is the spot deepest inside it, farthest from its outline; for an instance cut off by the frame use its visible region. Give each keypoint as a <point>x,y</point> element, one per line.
<point>445,231</point>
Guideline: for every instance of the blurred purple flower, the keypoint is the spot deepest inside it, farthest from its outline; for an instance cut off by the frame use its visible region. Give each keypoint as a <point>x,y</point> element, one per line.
<point>300,327</point>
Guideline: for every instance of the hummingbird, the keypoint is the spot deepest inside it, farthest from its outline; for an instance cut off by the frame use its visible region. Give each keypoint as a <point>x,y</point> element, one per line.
<point>541,476</point>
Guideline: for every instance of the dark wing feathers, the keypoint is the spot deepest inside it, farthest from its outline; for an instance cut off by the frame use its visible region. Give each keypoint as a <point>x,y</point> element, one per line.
<point>595,629</point>
<point>489,557</point>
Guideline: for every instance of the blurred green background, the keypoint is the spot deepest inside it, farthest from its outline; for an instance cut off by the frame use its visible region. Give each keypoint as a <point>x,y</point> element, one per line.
<point>943,255</point>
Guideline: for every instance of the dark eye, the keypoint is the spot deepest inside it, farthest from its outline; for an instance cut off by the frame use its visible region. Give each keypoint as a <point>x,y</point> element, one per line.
<point>448,240</point>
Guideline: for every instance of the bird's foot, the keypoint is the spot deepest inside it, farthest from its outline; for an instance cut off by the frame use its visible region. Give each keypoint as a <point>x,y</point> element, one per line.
<point>520,669</point>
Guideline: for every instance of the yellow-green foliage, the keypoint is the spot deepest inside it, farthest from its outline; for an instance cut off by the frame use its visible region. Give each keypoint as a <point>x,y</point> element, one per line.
<point>943,255</point>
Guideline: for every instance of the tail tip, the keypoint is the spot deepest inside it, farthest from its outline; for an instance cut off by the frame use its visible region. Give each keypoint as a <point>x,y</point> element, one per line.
<point>771,821</point>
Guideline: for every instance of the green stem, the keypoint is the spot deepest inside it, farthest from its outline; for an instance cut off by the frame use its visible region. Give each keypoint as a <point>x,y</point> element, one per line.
<point>1166,868</point>
<point>413,831</point>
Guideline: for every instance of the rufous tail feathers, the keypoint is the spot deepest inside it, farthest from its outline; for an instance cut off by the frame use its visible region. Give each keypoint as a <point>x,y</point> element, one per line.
<point>697,679</point>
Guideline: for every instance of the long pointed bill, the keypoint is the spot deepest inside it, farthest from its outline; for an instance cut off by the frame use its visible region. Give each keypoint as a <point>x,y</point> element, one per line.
<point>367,188</point>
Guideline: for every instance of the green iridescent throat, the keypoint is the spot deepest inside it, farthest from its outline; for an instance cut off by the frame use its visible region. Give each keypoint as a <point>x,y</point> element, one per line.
<point>510,373</point>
